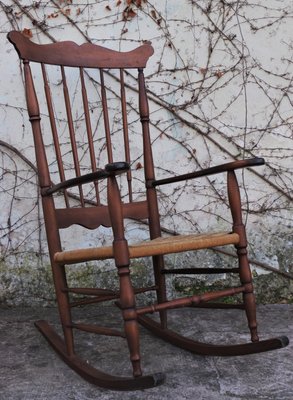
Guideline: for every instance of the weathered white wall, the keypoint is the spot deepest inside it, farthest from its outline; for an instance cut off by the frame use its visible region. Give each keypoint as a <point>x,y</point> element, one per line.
<point>221,89</point>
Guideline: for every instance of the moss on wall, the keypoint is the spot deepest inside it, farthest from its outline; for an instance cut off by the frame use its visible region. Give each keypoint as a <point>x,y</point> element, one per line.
<point>269,288</point>
<point>22,283</point>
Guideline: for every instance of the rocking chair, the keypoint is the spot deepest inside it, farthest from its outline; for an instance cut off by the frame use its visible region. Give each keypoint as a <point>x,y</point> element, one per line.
<point>106,180</point>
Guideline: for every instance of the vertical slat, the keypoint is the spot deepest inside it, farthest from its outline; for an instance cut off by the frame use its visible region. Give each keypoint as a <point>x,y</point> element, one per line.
<point>89,130</point>
<point>125,132</point>
<point>106,118</point>
<point>71,131</point>
<point>54,131</point>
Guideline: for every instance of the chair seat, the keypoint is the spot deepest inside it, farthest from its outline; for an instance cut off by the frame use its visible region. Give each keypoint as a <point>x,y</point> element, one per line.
<point>161,245</point>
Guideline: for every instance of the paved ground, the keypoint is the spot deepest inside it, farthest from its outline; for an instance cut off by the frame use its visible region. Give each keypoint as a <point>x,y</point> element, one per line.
<point>30,370</point>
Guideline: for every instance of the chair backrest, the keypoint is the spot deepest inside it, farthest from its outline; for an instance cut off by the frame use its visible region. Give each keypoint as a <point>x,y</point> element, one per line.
<point>97,132</point>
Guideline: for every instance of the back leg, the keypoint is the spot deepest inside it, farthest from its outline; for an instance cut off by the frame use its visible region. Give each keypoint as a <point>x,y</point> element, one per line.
<point>245,273</point>
<point>160,281</point>
<point>60,283</point>
<point>248,295</point>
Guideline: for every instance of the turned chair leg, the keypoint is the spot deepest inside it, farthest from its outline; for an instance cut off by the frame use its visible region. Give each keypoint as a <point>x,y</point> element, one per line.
<point>245,273</point>
<point>127,304</point>
<point>248,295</point>
<point>122,261</point>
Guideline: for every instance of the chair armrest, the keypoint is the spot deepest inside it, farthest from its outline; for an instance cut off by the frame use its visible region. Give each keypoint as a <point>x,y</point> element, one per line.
<point>250,162</point>
<point>119,167</point>
<point>110,170</point>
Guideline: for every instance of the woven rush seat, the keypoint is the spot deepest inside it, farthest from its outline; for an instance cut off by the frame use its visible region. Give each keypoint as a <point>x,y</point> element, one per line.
<point>161,245</point>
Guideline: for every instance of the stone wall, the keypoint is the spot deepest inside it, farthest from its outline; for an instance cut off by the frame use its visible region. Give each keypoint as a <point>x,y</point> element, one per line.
<point>220,84</point>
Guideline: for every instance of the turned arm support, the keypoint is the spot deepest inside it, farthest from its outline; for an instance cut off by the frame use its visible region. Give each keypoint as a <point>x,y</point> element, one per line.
<point>231,166</point>
<point>110,170</point>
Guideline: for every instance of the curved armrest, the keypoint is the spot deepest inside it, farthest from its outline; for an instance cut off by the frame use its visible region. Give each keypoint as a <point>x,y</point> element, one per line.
<point>110,170</point>
<point>250,162</point>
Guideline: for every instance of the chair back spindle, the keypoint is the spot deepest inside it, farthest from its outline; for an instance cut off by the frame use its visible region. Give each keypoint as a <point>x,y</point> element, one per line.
<point>54,130</point>
<point>106,117</point>
<point>71,131</point>
<point>89,131</point>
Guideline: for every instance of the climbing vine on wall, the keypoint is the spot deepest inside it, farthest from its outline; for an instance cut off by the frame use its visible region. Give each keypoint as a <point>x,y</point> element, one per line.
<point>220,88</point>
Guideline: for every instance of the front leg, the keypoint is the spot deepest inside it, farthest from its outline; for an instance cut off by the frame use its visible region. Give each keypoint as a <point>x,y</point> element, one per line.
<point>122,261</point>
<point>245,272</point>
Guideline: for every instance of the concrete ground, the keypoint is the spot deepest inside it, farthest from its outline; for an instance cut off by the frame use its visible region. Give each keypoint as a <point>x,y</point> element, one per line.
<point>30,370</point>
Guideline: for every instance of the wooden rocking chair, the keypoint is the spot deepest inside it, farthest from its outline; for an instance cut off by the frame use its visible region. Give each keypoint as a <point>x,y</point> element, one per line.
<point>85,59</point>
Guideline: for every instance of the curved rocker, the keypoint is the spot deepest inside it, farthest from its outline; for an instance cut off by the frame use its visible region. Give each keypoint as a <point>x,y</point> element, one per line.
<point>212,349</point>
<point>92,374</point>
